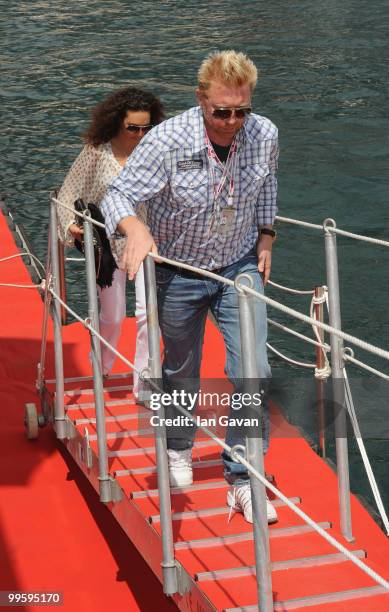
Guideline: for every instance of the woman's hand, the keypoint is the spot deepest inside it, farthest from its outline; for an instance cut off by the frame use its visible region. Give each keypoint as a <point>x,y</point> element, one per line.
<point>76,232</point>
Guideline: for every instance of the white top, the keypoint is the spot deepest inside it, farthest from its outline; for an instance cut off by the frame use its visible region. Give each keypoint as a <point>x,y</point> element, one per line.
<point>89,177</point>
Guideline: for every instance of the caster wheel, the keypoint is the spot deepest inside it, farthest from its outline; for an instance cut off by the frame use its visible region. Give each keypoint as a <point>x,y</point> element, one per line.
<point>31,421</point>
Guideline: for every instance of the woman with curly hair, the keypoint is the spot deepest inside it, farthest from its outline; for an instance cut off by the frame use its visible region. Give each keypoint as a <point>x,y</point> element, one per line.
<point>117,126</point>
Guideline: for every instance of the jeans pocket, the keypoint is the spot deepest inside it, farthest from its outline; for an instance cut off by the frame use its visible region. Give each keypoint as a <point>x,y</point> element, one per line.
<point>163,276</point>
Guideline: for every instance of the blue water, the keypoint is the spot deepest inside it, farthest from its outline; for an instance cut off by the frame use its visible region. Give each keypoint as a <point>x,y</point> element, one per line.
<point>324,82</point>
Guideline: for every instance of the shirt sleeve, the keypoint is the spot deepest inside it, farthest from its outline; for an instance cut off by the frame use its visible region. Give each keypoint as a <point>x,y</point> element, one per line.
<point>77,184</point>
<point>267,198</point>
<point>142,177</point>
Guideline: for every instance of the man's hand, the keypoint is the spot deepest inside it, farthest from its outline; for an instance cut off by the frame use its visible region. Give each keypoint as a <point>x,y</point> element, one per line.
<point>76,231</point>
<point>264,247</point>
<point>139,242</point>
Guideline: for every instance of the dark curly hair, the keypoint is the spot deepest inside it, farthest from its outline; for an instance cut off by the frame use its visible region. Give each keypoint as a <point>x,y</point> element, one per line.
<point>107,116</point>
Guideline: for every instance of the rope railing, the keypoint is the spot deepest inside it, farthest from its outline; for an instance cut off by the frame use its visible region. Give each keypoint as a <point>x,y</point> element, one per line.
<point>238,457</point>
<point>348,355</point>
<point>290,289</point>
<point>292,332</point>
<point>365,458</point>
<point>302,364</point>
<point>332,228</point>
<point>242,288</point>
<point>367,346</point>
<point>82,215</point>
<point>20,285</point>
<point>349,338</point>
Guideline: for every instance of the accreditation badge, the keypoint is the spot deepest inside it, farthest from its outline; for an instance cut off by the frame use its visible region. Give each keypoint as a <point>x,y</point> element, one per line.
<point>227,219</point>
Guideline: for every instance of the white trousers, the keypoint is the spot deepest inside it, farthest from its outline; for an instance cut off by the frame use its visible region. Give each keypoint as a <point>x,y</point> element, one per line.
<point>112,313</point>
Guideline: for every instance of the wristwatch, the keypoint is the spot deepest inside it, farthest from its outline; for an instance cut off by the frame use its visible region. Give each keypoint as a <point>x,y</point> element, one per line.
<point>268,232</point>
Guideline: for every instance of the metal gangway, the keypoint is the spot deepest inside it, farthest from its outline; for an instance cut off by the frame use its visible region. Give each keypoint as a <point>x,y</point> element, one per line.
<point>92,455</point>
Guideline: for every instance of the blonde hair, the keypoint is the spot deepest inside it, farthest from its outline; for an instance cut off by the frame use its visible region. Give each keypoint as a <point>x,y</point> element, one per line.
<point>229,67</point>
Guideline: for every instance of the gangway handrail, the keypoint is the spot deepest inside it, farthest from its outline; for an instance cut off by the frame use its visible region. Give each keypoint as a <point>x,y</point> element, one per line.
<point>337,337</point>
<point>367,346</point>
<point>362,344</point>
<point>236,456</point>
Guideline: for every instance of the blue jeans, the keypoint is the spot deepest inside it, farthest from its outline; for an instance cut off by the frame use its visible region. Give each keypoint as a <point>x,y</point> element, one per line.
<point>183,305</point>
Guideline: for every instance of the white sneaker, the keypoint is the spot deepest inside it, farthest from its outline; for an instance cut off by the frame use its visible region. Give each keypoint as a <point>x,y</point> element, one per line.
<point>239,499</point>
<point>180,467</point>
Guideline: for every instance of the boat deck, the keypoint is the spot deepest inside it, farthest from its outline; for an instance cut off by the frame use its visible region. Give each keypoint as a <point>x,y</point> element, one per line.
<point>58,536</point>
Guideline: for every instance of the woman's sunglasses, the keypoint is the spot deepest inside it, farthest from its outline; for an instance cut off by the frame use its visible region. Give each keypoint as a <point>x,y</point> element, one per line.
<point>226,113</point>
<point>135,129</point>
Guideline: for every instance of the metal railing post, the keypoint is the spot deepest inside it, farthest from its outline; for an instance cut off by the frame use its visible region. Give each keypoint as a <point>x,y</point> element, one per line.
<point>62,281</point>
<point>104,479</point>
<point>47,306</point>
<point>59,410</point>
<point>169,567</point>
<point>338,382</point>
<point>319,382</point>
<point>254,450</point>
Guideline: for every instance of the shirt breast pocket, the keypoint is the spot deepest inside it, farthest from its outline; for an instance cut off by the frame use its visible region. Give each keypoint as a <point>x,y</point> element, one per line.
<point>189,188</point>
<point>252,177</point>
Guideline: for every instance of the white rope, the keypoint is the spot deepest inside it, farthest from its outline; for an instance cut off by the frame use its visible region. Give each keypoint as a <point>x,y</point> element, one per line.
<point>89,327</point>
<point>337,332</point>
<point>348,554</point>
<point>298,335</point>
<point>379,579</point>
<point>335,230</point>
<point>324,372</point>
<point>21,286</point>
<point>244,462</point>
<point>82,215</point>
<point>363,365</point>
<point>289,359</point>
<point>317,299</point>
<point>297,222</point>
<point>290,311</point>
<point>362,450</point>
<point>277,218</point>
<point>22,255</point>
<point>290,290</point>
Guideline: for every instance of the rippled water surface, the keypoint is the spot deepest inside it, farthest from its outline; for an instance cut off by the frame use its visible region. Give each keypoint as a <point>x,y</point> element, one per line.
<point>324,82</point>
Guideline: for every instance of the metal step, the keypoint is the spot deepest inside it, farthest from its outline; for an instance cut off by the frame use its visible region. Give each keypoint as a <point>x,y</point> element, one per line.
<point>125,434</point>
<point>133,452</point>
<point>314,561</point>
<point>203,486</point>
<point>275,532</point>
<point>73,392</point>
<point>85,378</point>
<point>153,468</point>
<point>118,402</point>
<point>316,600</point>
<point>113,419</point>
<point>192,514</point>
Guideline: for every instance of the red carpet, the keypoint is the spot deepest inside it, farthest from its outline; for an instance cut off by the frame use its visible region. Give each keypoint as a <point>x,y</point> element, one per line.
<point>55,534</point>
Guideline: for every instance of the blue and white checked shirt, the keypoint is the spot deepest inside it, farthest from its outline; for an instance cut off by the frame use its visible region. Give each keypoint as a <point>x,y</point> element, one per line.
<point>169,170</point>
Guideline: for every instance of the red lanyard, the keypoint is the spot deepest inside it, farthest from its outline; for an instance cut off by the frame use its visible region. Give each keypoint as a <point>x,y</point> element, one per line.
<point>229,169</point>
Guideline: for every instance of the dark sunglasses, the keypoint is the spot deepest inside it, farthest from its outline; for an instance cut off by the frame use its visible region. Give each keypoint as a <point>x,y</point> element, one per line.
<point>226,113</point>
<point>135,129</point>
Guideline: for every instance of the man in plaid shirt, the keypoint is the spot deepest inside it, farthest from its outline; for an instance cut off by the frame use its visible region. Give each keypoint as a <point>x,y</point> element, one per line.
<point>208,177</point>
